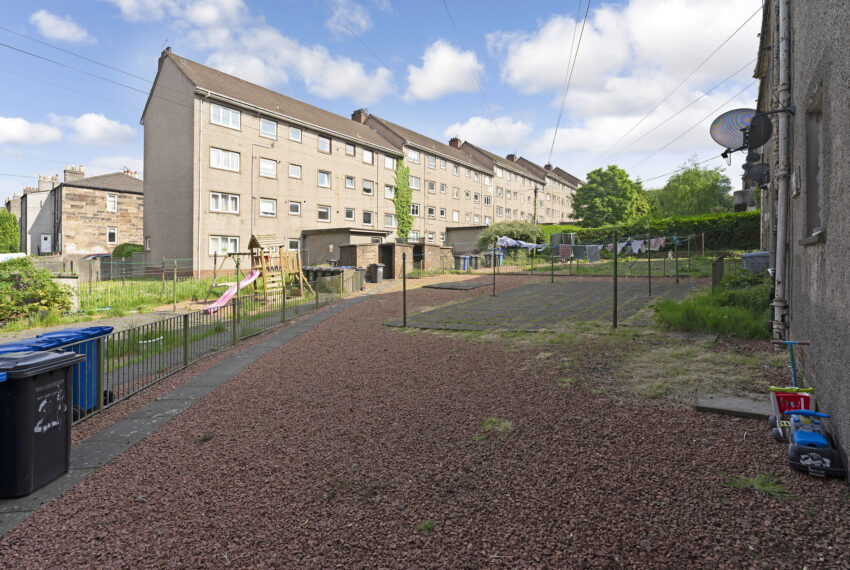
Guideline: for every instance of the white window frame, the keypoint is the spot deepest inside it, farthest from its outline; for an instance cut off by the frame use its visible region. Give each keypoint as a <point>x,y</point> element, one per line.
<point>432,161</point>
<point>297,243</point>
<point>267,201</point>
<point>413,156</point>
<point>414,209</point>
<point>297,211</point>
<point>370,155</point>
<point>415,183</point>
<point>466,216</point>
<point>488,201</point>
<point>442,212</point>
<point>443,163</point>
<point>389,162</point>
<point>476,219</point>
<point>295,134</point>
<point>443,188</point>
<point>455,170</point>
<point>390,221</point>
<point>432,212</point>
<point>487,180</point>
<point>352,216</point>
<point>431,237</point>
<point>349,146</point>
<point>266,122</point>
<point>113,230</point>
<point>223,248</point>
<point>323,208</point>
<point>456,193</point>
<point>112,202</point>
<point>389,192</point>
<point>476,198</point>
<point>147,243</point>
<point>222,202</point>
<point>225,117</point>
<point>370,215</point>
<point>268,163</point>
<point>455,216</point>
<point>432,186</point>
<point>467,194</point>
<point>475,176</point>
<point>368,187</point>
<point>322,139</point>
<point>319,176</point>
<point>218,156</point>
<point>298,166</point>
<point>353,182</point>
<point>487,220</point>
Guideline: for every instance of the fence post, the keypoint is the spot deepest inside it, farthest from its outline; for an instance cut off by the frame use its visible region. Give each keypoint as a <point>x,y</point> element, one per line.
<point>101,363</point>
<point>689,253</point>
<point>703,244</point>
<point>283,307</point>
<point>235,305</point>
<point>174,289</point>
<point>552,267</point>
<point>676,253</point>
<point>316,307</point>
<point>615,279</point>
<point>341,285</point>
<point>404,289</point>
<point>163,278</point>
<point>495,243</point>
<point>649,262</point>
<point>185,340</point>
<point>91,272</point>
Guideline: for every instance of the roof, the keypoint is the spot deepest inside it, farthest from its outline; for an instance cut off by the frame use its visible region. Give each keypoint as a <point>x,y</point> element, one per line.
<point>264,241</point>
<point>530,166</point>
<point>551,173</point>
<point>349,230</point>
<point>502,162</point>
<point>428,144</point>
<point>276,104</point>
<point>115,182</point>
<point>575,181</point>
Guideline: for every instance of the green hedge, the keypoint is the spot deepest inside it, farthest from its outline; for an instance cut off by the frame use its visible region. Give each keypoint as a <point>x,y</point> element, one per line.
<point>735,230</point>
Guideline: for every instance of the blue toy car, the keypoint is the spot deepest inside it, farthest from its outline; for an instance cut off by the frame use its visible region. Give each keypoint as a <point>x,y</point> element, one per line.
<point>810,446</point>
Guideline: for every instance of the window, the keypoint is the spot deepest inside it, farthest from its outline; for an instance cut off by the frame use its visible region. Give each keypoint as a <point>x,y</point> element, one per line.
<point>368,156</point>
<point>548,196</point>
<point>487,180</point>
<point>389,163</point>
<point>432,212</point>
<point>442,237</point>
<point>349,182</point>
<point>498,190</point>
<point>455,216</point>
<point>324,213</point>
<point>413,156</point>
<point>509,176</point>
<point>442,212</point>
<point>390,220</point>
<point>224,244</point>
<point>349,214</point>
<point>225,117</point>
<point>487,220</point>
<point>443,188</point>
<point>367,218</point>
<point>112,202</point>
<point>324,145</point>
<point>498,210</point>
<point>294,244</point>
<point>456,193</point>
<point>268,128</point>
<point>414,183</point>
<point>455,170</point>
<point>498,171</point>
<point>432,161</point>
<point>295,171</point>
<point>147,244</point>
<point>430,237</point>
<point>224,159</point>
<point>389,191</point>
<point>111,235</point>
<point>414,209</point>
<point>350,150</point>
<point>368,187</point>
<point>268,168</point>
<point>413,235</point>
<point>475,176</point>
<point>442,164</point>
<point>220,202</point>
<point>295,134</point>
<point>268,207</point>
<point>466,216</point>
<point>324,179</point>
<point>814,167</point>
<point>468,172</point>
<point>477,198</point>
<point>467,194</point>
<point>488,201</point>
<point>432,187</point>
<point>295,208</point>
<point>476,220</point>
<point>507,194</point>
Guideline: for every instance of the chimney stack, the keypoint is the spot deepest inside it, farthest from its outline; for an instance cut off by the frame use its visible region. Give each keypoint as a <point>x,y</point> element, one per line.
<point>133,173</point>
<point>454,142</point>
<point>73,173</point>
<point>548,166</point>
<point>360,115</point>
<point>46,183</point>
<point>511,157</point>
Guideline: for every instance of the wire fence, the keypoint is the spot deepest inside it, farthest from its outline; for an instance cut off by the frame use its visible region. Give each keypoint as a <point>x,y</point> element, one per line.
<point>125,362</point>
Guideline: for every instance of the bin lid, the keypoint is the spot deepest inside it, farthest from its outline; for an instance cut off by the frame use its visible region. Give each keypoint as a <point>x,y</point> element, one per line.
<point>97,331</point>
<point>66,336</point>
<point>28,364</point>
<point>43,343</point>
<point>19,346</point>
<point>756,254</point>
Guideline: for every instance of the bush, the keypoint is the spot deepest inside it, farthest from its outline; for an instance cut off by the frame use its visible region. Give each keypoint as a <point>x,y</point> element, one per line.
<point>26,291</point>
<point>126,250</point>
<point>524,231</point>
<point>735,230</point>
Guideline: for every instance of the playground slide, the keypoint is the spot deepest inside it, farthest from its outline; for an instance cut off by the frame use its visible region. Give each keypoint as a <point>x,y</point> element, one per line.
<point>231,291</point>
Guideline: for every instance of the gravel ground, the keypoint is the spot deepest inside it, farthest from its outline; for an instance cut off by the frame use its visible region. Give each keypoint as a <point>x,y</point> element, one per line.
<point>360,445</point>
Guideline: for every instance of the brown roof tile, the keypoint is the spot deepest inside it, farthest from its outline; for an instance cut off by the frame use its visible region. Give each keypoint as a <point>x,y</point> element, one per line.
<point>117,181</point>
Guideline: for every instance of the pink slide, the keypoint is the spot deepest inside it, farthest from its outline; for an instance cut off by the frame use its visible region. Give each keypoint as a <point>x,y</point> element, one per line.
<point>231,291</point>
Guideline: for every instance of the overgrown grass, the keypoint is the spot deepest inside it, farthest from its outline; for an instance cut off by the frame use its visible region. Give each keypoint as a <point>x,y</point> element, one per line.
<point>768,484</point>
<point>740,307</point>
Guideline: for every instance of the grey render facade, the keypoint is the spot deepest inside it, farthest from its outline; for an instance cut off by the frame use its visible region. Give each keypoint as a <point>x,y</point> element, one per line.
<point>816,303</point>
<point>225,159</point>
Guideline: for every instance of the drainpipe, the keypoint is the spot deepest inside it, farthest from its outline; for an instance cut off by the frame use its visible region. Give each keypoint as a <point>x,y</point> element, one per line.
<point>200,179</point>
<point>780,302</point>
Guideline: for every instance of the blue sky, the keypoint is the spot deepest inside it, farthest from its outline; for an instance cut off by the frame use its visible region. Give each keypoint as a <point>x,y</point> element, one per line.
<point>404,60</point>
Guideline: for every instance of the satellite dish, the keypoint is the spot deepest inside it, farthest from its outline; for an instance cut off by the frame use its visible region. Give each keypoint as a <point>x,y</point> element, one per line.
<point>727,130</point>
<point>760,130</point>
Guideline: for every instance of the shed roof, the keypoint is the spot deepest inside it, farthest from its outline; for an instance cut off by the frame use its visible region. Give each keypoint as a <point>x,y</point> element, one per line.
<point>264,241</point>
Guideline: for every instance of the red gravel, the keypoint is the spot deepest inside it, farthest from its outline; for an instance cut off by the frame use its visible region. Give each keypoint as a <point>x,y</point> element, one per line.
<point>333,449</point>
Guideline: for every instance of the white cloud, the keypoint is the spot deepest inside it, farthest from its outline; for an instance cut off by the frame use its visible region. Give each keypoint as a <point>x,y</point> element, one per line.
<point>445,69</point>
<point>16,130</point>
<point>215,13</point>
<point>94,128</point>
<point>110,164</point>
<point>348,17</point>
<point>145,10</point>
<point>60,28</point>
<point>488,133</point>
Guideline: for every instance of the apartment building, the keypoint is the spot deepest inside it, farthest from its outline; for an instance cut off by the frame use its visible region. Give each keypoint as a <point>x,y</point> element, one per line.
<point>555,199</point>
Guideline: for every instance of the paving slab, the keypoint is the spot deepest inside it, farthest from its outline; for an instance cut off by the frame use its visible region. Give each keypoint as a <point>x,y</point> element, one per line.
<point>741,405</point>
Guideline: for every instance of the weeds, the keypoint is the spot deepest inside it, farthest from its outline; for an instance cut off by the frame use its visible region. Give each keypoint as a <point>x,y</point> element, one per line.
<point>205,438</point>
<point>502,427</point>
<point>426,527</point>
<point>768,484</point>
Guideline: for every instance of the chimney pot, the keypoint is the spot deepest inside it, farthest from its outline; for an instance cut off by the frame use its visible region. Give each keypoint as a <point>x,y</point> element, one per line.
<point>360,115</point>
<point>454,142</point>
<point>547,166</point>
<point>511,157</point>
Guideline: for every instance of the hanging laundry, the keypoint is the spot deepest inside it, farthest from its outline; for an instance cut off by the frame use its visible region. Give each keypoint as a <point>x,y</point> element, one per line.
<point>610,247</point>
<point>579,252</point>
<point>662,241</point>
<point>593,252</point>
<point>654,244</point>
<point>565,251</point>
<point>620,246</point>
<point>638,246</point>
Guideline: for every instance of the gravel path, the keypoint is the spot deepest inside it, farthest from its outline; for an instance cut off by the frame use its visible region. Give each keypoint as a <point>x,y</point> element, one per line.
<point>338,449</point>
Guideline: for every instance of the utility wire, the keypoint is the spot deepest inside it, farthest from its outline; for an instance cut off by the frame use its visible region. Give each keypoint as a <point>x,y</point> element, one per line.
<point>58,86</point>
<point>683,168</point>
<point>606,152</point>
<point>477,82</point>
<point>569,77</point>
<point>359,39</point>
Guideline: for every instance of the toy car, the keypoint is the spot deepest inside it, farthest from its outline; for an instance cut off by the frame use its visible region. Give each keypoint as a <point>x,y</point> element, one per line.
<point>810,446</point>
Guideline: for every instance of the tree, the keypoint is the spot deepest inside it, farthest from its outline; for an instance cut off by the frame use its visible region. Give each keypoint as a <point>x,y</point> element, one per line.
<point>401,200</point>
<point>9,234</point>
<point>609,197</point>
<point>524,231</point>
<point>692,192</point>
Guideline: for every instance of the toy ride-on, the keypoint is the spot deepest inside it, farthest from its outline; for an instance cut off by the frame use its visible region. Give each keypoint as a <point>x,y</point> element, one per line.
<point>789,398</point>
<point>810,446</point>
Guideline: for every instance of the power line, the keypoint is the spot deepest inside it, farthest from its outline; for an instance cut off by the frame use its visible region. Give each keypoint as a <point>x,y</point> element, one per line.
<point>605,153</point>
<point>50,160</point>
<point>571,68</point>
<point>58,86</point>
<point>359,39</point>
<point>679,169</point>
<point>477,82</point>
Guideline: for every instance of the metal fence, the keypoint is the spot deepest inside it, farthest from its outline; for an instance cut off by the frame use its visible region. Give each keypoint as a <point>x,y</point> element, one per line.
<point>125,362</point>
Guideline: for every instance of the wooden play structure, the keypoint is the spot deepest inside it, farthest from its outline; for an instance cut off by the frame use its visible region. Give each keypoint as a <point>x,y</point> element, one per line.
<point>278,267</point>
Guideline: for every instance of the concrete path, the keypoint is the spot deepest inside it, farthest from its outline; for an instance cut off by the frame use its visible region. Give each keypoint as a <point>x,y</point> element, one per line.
<point>103,447</point>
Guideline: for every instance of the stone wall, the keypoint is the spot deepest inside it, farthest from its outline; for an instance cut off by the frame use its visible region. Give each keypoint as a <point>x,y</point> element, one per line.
<point>358,255</point>
<point>84,220</point>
